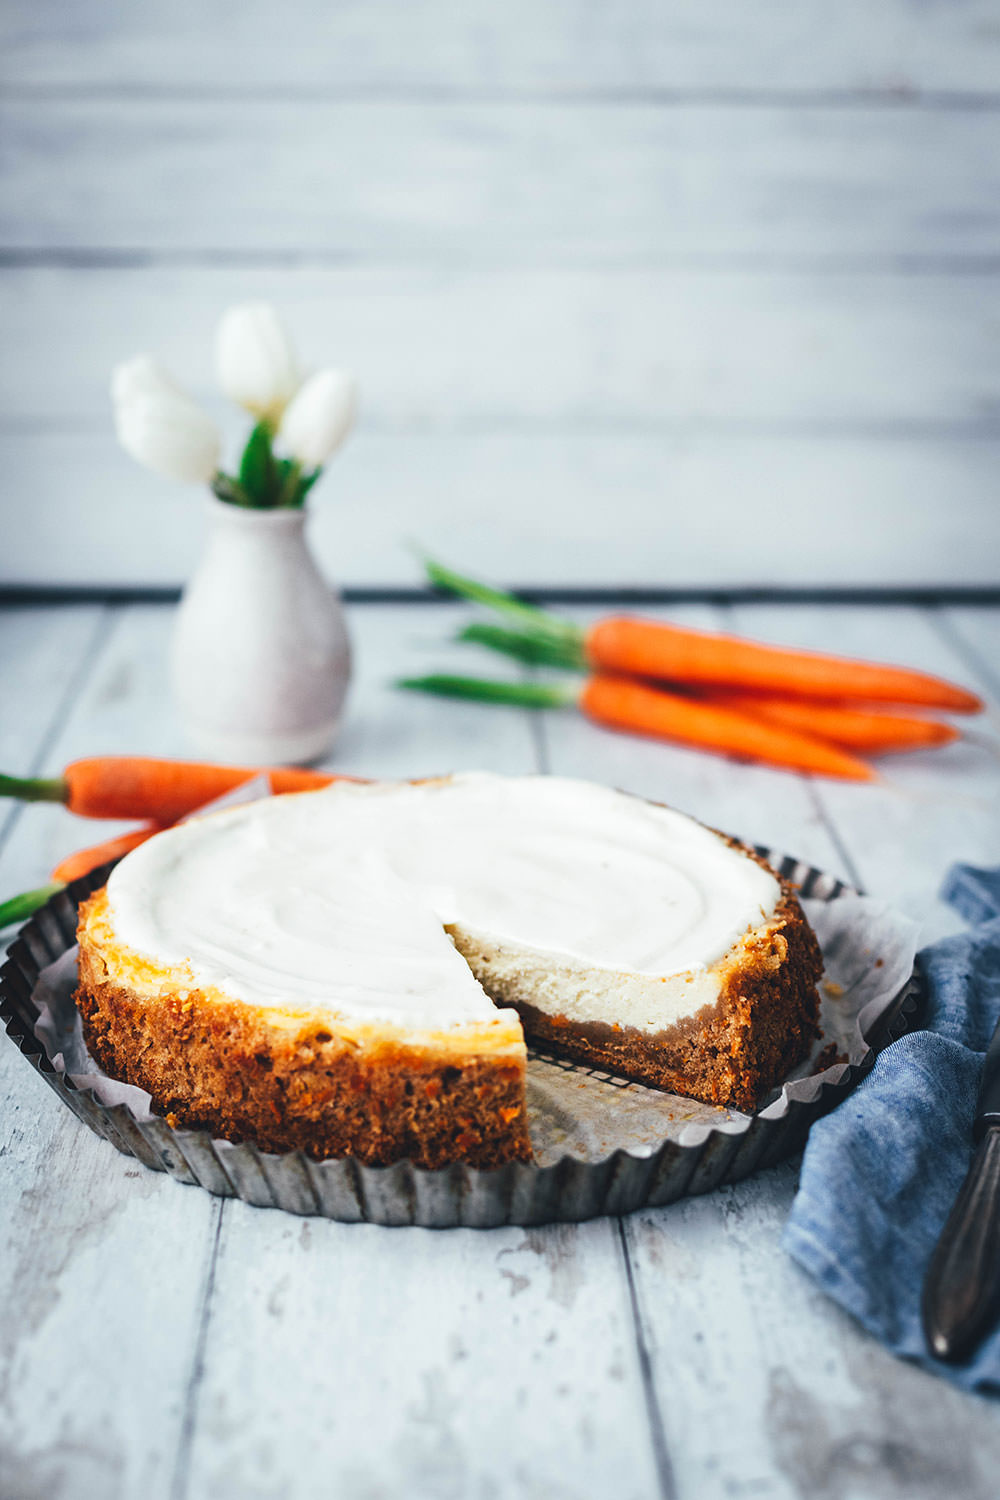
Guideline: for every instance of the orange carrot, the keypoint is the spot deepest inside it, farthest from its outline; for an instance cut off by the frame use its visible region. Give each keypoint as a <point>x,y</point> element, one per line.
<point>869,730</point>
<point>648,648</point>
<point>622,644</point>
<point>131,786</point>
<point>622,703</point>
<point>85,860</point>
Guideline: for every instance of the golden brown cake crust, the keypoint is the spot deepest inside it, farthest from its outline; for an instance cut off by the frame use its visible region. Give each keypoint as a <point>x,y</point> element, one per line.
<point>217,1064</point>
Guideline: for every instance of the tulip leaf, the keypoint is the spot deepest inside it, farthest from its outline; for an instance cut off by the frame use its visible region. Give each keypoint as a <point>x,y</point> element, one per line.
<point>292,485</point>
<point>306,483</point>
<point>225,487</point>
<point>258,470</point>
<point>287,481</point>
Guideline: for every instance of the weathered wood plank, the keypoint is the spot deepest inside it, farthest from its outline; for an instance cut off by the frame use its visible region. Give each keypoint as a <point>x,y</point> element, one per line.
<point>578,350</point>
<point>100,1267</point>
<point>122,708</point>
<point>43,653</point>
<point>767,1389</point>
<point>496,1363</point>
<point>391,733</point>
<point>101,1274</point>
<point>934,807</point>
<point>566,184</point>
<point>701,510</point>
<point>896,48</point>
<point>975,634</point>
<point>44,657</point>
<point>100,1261</point>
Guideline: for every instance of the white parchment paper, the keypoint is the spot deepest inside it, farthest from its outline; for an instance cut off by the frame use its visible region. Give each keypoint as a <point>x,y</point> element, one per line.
<point>868,952</point>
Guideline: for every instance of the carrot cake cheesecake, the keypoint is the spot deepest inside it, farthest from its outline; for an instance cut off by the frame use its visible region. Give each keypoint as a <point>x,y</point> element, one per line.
<point>353,971</point>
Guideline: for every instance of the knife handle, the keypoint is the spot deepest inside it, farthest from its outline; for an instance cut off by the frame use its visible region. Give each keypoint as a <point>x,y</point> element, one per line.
<point>988,1103</point>
<point>961,1296</point>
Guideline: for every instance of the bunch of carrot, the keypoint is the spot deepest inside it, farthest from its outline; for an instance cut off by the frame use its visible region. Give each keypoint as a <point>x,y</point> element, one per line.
<point>799,710</point>
<point>160,792</point>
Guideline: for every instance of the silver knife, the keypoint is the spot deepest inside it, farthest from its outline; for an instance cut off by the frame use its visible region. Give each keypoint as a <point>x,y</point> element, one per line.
<point>961,1296</point>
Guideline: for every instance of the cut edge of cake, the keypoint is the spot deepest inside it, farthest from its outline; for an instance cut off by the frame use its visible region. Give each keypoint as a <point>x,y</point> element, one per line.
<point>731,1051</point>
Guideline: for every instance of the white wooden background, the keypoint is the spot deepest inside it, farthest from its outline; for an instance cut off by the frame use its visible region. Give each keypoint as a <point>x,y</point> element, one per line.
<point>156,1342</point>
<point>687,294</point>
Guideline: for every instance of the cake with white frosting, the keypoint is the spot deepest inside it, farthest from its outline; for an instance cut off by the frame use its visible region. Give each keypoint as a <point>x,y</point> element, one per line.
<point>353,971</point>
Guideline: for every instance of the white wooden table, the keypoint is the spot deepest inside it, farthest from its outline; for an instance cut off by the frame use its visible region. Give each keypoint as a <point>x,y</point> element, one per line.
<point>158,1342</point>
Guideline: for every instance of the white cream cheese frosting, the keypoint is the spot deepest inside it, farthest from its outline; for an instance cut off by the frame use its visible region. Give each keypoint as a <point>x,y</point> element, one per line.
<point>339,899</point>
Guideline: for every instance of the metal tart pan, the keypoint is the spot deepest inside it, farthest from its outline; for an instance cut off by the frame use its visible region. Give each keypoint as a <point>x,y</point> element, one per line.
<point>348,1190</point>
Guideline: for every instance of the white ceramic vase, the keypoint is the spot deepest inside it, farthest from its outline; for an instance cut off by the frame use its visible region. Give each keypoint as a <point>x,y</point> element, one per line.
<point>261,659</point>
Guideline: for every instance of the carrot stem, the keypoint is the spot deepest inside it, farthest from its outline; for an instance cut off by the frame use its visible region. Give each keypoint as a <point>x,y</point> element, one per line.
<point>19,908</point>
<point>35,788</point>
<point>522,645</point>
<point>532,619</point>
<point>486,690</point>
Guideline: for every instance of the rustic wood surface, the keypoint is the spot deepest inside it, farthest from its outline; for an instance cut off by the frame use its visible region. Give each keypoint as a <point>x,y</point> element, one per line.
<point>159,1342</point>
<point>690,295</point>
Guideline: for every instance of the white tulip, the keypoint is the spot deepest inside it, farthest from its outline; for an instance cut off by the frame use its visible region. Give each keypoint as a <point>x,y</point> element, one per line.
<point>141,376</point>
<point>164,430</point>
<point>255,361</point>
<point>319,418</point>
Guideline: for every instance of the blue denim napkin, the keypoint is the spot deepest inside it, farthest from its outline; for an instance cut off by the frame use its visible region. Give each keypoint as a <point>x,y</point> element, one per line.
<point>880,1174</point>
